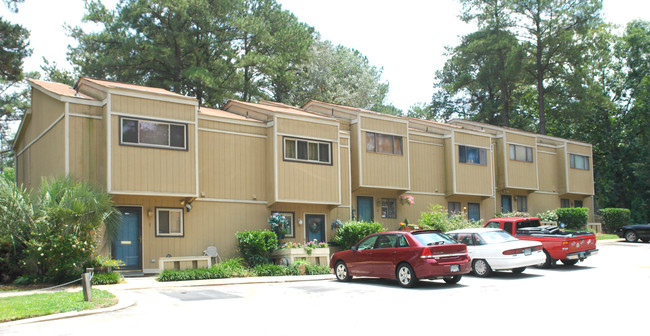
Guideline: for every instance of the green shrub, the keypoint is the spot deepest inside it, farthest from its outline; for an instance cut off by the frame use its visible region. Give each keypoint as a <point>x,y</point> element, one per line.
<point>256,246</point>
<point>109,278</point>
<point>573,218</point>
<point>613,218</point>
<point>353,231</point>
<point>275,270</point>
<point>229,268</point>
<point>438,218</point>
<point>58,228</point>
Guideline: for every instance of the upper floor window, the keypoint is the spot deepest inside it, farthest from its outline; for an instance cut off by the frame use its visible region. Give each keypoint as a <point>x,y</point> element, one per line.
<point>383,143</point>
<point>521,153</point>
<point>153,133</point>
<point>475,155</point>
<point>307,150</point>
<point>579,162</point>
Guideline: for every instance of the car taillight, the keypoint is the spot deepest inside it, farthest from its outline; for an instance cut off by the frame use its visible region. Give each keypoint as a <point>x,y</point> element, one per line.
<point>426,253</point>
<point>521,250</point>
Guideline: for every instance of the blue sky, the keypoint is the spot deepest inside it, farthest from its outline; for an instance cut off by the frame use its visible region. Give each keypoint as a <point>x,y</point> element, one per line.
<point>405,37</point>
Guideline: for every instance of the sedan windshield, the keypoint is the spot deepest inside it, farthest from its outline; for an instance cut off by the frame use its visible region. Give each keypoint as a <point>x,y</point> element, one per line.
<point>433,238</point>
<point>495,237</point>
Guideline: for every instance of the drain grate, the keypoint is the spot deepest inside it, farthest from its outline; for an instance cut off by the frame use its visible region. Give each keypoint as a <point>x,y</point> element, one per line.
<point>199,295</point>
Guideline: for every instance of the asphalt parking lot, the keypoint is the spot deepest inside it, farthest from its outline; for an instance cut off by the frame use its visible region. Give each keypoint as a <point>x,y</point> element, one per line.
<point>598,296</point>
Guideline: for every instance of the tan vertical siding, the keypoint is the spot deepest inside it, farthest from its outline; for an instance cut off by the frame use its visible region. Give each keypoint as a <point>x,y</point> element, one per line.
<point>150,108</point>
<point>427,165</point>
<point>471,178</point>
<point>232,166</point>
<point>146,170</point>
<point>548,168</point>
<point>87,153</point>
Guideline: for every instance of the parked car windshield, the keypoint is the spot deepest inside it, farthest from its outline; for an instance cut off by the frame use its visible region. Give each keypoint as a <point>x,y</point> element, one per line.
<point>433,238</point>
<point>495,237</point>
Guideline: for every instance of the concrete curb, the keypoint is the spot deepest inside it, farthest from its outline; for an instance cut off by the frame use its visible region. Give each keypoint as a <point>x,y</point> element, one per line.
<point>126,299</point>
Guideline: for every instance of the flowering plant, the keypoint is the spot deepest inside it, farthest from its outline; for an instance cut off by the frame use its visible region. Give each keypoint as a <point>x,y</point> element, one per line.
<point>279,224</point>
<point>337,224</point>
<point>410,200</point>
<point>308,246</point>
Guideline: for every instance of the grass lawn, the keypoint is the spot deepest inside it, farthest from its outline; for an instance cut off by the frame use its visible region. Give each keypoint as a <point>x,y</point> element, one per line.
<point>604,236</point>
<point>20,307</point>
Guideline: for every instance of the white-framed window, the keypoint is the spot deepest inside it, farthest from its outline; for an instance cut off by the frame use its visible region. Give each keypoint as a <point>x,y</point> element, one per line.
<point>383,143</point>
<point>169,222</point>
<point>521,153</point>
<point>312,151</point>
<point>153,133</point>
<point>388,208</point>
<point>579,161</point>
<point>474,155</point>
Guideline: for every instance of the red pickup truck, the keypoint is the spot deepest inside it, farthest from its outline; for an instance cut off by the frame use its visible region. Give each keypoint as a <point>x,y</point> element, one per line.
<point>567,246</point>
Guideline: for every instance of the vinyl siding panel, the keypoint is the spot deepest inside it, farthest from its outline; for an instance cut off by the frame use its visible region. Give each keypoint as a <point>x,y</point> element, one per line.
<point>307,130</point>
<point>473,179</point>
<point>47,156</point>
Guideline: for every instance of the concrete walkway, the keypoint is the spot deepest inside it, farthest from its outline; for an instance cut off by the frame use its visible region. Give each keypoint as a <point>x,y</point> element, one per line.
<point>126,299</point>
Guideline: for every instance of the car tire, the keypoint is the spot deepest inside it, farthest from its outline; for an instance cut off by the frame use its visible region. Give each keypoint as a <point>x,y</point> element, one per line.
<point>452,280</point>
<point>631,236</point>
<point>341,271</point>
<point>481,268</point>
<point>518,270</point>
<point>550,262</point>
<point>405,275</point>
<point>568,262</point>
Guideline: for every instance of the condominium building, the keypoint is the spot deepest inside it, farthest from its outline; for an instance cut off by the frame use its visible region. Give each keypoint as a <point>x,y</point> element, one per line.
<point>186,177</point>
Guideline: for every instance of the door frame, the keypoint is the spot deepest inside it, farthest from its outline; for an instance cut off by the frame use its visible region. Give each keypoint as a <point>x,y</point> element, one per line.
<point>139,210</point>
<point>372,207</point>
<point>324,226</point>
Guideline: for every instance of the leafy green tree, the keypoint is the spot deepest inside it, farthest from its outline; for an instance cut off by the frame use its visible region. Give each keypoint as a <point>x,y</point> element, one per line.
<point>13,98</point>
<point>340,75</point>
<point>554,33</point>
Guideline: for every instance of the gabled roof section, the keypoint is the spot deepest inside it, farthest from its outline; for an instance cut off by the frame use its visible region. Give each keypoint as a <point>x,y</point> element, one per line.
<point>269,109</point>
<point>59,89</point>
<point>352,111</point>
<point>212,112</point>
<point>107,85</point>
<point>514,130</point>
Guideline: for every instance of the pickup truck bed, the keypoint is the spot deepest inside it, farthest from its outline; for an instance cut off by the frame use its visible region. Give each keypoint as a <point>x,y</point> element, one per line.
<point>568,246</point>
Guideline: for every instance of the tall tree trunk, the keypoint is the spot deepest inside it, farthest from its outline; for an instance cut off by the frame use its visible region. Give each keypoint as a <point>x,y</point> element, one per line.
<point>539,69</point>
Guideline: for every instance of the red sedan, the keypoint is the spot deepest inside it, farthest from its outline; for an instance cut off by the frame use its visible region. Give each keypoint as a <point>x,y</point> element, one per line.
<point>405,256</point>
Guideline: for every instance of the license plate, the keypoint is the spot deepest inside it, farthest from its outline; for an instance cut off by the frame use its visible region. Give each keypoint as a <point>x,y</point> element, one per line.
<point>454,268</point>
<point>528,252</point>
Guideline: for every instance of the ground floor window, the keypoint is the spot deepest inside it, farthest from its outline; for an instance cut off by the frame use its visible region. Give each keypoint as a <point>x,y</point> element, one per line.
<point>474,211</point>
<point>453,208</point>
<point>565,203</point>
<point>169,222</point>
<point>388,208</point>
<point>577,204</point>
<point>522,203</point>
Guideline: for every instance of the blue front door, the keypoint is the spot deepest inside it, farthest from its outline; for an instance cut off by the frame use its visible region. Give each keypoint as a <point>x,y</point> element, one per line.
<point>506,203</point>
<point>315,226</point>
<point>126,246</point>
<point>365,209</point>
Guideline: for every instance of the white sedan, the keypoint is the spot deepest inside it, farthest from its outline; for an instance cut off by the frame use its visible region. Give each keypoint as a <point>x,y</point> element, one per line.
<point>497,250</point>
